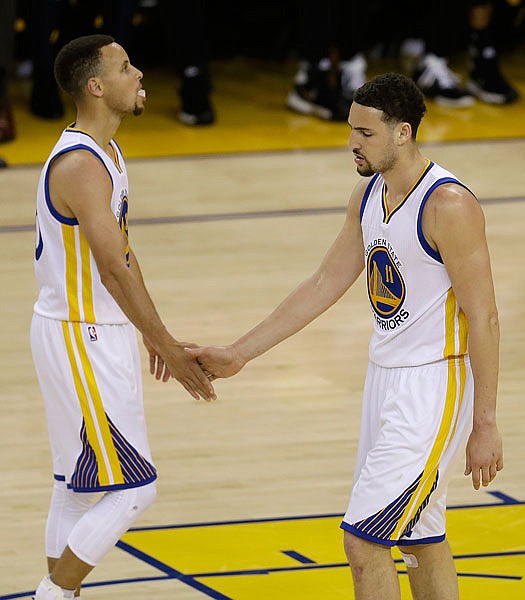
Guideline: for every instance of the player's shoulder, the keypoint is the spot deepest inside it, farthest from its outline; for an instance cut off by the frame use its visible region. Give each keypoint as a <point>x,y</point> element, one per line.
<point>78,165</point>
<point>452,198</point>
<point>452,205</point>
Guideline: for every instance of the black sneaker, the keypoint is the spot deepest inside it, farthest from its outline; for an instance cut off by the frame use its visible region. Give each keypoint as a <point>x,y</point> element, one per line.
<point>487,82</point>
<point>195,90</point>
<point>438,82</point>
<point>317,92</point>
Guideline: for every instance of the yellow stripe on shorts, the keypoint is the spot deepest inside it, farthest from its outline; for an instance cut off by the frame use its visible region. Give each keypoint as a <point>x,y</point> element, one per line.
<point>97,428</point>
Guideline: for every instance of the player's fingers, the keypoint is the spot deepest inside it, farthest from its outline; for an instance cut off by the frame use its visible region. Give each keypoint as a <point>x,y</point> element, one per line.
<point>475,478</point>
<point>152,362</point>
<point>492,471</point>
<point>160,367</point>
<point>204,386</point>
<point>499,464</point>
<point>189,389</point>
<point>468,468</point>
<point>166,375</point>
<point>485,474</point>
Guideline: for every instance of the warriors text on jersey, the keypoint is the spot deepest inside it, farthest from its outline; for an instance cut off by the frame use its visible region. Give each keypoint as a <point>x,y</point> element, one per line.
<point>70,288</point>
<point>417,319</point>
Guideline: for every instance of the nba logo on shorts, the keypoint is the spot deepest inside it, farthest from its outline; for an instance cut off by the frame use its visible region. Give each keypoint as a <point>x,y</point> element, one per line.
<point>92,333</point>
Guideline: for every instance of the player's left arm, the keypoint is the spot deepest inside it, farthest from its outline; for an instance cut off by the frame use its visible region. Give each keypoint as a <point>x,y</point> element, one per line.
<point>454,223</point>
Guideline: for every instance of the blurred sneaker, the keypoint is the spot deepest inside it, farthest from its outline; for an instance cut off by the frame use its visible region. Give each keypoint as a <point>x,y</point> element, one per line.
<point>487,82</point>
<point>439,83</point>
<point>353,75</point>
<point>317,92</point>
<point>196,108</point>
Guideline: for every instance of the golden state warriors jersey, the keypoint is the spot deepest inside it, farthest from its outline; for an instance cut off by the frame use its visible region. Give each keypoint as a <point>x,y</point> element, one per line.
<point>70,288</point>
<point>417,319</point>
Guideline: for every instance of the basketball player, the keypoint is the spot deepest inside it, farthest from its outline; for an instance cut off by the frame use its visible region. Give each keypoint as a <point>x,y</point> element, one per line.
<point>419,233</point>
<point>82,334</point>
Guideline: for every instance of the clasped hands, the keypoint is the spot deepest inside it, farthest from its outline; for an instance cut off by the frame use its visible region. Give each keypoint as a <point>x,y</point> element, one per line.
<point>194,367</point>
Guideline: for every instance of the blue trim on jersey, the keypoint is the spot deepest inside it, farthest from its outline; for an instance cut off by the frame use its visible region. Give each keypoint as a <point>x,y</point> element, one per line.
<point>110,488</point>
<point>58,477</point>
<point>59,217</point>
<point>390,543</point>
<point>421,236</point>
<point>365,536</point>
<point>367,195</point>
<point>428,540</point>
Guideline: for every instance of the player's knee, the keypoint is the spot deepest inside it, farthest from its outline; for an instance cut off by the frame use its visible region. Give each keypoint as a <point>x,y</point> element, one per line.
<point>355,549</point>
<point>131,503</point>
<point>145,496</point>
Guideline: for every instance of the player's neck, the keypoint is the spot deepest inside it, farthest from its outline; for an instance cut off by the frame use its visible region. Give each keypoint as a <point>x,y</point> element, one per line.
<point>101,129</point>
<point>407,170</point>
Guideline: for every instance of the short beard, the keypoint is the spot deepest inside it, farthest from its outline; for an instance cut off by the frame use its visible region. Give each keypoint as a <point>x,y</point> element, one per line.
<point>138,110</point>
<point>366,170</point>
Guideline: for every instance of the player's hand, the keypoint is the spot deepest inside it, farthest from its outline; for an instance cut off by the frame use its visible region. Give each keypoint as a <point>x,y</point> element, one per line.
<point>484,455</point>
<point>157,366</point>
<point>217,361</point>
<point>188,372</point>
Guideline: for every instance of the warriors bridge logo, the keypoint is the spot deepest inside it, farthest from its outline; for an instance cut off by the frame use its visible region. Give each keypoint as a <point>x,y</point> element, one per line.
<point>386,288</point>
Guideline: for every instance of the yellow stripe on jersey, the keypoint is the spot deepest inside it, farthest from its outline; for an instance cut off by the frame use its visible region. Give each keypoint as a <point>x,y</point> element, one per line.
<point>86,411</point>
<point>68,235</point>
<point>463,332</point>
<point>107,444</point>
<point>456,328</point>
<point>87,286</point>
<point>456,371</point>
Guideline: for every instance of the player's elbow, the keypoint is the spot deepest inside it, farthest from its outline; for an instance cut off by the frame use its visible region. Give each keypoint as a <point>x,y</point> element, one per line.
<point>111,275</point>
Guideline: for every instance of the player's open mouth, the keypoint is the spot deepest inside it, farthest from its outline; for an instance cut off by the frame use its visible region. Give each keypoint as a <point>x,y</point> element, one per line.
<point>141,93</point>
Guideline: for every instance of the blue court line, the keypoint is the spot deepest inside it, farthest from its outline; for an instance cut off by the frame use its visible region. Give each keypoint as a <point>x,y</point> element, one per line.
<point>234,216</point>
<point>191,579</point>
<point>299,557</point>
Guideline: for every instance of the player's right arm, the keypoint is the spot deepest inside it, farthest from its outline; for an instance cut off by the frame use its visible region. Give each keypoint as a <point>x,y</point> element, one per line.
<point>80,187</point>
<point>341,266</point>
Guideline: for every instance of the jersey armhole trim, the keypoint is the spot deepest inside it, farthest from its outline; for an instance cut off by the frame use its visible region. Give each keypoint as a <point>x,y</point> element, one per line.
<point>421,236</point>
<point>58,216</point>
<point>366,195</point>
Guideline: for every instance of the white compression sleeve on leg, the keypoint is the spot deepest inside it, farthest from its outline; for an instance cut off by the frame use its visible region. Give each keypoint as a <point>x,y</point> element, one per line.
<point>65,510</point>
<point>101,527</point>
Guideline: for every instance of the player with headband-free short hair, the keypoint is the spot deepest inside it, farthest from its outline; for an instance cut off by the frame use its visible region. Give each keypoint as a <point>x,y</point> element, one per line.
<point>91,298</point>
<point>430,389</point>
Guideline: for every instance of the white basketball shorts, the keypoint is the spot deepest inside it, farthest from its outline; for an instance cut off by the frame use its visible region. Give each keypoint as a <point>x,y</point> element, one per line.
<point>91,381</point>
<point>415,424</point>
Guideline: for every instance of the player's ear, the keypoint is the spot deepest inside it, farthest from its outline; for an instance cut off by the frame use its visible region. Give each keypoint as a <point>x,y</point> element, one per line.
<point>404,133</point>
<point>94,86</point>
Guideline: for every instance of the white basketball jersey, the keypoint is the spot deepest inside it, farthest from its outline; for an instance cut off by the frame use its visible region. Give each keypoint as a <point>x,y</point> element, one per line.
<point>70,288</point>
<point>417,319</point>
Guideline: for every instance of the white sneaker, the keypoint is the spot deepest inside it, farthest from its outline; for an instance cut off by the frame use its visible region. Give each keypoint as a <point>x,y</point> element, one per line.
<point>353,75</point>
<point>47,590</point>
<point>438,82</point>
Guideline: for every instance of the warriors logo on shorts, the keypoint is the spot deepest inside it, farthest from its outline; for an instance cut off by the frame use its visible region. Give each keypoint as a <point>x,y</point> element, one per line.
<point>386,288</point>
